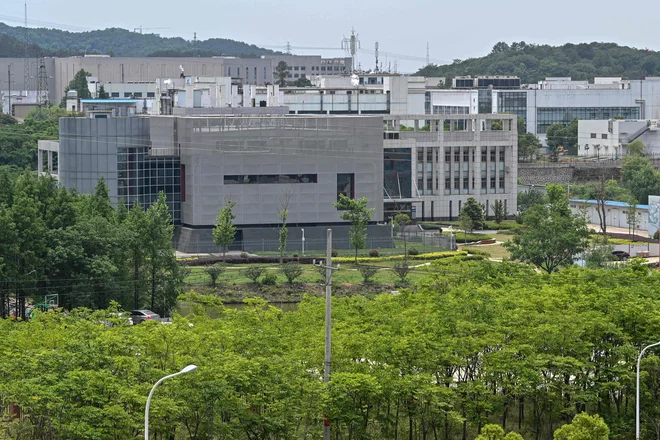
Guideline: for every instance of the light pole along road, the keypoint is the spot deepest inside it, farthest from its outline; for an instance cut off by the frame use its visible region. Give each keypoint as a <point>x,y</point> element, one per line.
<point>639,361</point>
<point>188,369</point>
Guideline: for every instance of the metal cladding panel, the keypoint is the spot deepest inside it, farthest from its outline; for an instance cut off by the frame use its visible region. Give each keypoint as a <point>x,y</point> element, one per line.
<point>322,146</point>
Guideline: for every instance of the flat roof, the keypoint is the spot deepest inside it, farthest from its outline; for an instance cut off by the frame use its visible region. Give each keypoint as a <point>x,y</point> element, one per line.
<point>109,101</point>
<point>609,203</point>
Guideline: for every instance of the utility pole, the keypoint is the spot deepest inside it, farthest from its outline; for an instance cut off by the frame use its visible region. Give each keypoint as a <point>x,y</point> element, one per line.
<point>328,322</point>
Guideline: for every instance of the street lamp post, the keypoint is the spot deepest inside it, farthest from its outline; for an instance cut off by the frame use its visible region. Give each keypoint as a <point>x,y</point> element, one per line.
<point>639,361</point>
<point>303,241</point>
<point>188,369</point>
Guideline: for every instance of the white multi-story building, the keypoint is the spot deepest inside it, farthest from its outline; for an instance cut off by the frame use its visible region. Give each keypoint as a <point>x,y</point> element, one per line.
<point>610,138</point>
<point>554,100</point>
<point>432,167</point>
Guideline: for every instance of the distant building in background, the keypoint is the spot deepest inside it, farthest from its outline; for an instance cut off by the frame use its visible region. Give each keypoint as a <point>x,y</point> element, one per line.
<point>610,138</point>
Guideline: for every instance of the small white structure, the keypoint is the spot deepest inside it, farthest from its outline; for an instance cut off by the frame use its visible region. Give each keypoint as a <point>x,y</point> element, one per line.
<point>47,157</point>
<point>616,213</point>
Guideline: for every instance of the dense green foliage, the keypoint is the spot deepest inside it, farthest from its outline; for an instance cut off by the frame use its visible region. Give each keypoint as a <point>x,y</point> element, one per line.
<point>356,212</point>
<point>119,42</point>
<point>53,241</point>
<point>535,62</point>
<point>552,236</point>
<point>18,142</point>
<point>474,344</point>
<point>640,177</point>
<point>475,211</point>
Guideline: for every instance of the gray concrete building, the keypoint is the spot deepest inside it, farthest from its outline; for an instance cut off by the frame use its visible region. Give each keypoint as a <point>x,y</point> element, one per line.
<point>432,167</point>
<point>256,161</point>
<point>122,70</point>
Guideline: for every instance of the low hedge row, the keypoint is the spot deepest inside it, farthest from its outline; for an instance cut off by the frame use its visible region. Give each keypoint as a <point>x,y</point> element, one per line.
<point>426,257</point>
<point>458,259</point>
<point>475,251</point>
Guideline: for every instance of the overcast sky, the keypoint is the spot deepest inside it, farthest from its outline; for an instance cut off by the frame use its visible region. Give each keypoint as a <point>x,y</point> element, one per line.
<point>454,29</point>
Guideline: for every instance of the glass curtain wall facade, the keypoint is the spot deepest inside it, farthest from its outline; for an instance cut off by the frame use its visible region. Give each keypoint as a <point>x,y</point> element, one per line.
<point>397,173</point>
<point>512,102</point>
<point>141,177</point>
<point>485,101</point>
<point>546,116</point>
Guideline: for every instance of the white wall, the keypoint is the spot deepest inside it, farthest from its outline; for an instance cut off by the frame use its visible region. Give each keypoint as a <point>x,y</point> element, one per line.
<point>615,216</point>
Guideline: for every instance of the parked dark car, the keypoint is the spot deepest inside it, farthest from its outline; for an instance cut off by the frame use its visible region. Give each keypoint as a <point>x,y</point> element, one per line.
<point>139,316</point>
<point>621,255</point>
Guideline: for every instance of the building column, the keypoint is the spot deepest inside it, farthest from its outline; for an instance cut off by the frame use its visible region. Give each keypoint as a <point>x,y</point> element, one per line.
<point>50,162</point>
<point>40,167</point>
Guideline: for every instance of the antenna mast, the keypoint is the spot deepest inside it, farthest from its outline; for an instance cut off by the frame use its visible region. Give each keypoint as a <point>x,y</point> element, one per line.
<point>42,84</point>
<point>376,56</point>
<point>351,46</point>
<point>428,55</point>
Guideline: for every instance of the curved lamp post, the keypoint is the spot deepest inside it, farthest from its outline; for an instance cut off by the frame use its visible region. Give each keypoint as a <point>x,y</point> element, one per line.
<point>639,361</point>
<point>188,369</point>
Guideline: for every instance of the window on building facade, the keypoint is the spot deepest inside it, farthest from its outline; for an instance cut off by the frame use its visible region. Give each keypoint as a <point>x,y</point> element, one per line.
<point>501,155</point>
<point>501,182</point>
<point>151,95</point>
<point>447,183</point>
<point>296,67</point>
<point>457,183</point>
<point>603,136</point>
<point>593,135</point>
<point>420,155</point>
<point>346,185</point>
<point>483,183</point>
<point>492,182</point>
<point>269,178</point>
<point>323,68</point>
<point>466,183</point>
<point>115,94</point>
<point>255,74</point>
<point>466,155</point>
<point>429,155</point>
<point>492,155</point>
<point>137,95</point>
<point>484,154</point>
<point>265,74</point>
<point>512,102</point>
<point>447,154</point>
<point>429,185</point>
<point>457,155</point>
<point>295,75</point>
<point>127,94</point>
<point>302,67</point>
<point>546,116</point>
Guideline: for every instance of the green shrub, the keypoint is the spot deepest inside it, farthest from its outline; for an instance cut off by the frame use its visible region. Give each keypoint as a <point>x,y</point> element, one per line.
<point>253,273</point>
<point>402,270</point>
<point>244,255</point>
<point>214,271</point>
<point>291,271</point>
<point>270,279</point>
<point>426,257</point>
<point>367,272</point>
<point>334,253</point>
<point>374,253</point>
<point>475,251</point>
<point>413,251</point>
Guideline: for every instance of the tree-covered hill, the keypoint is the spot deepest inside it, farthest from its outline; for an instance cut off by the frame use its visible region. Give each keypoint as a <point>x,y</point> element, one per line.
<point>118,42</point>
<point>532,62</point>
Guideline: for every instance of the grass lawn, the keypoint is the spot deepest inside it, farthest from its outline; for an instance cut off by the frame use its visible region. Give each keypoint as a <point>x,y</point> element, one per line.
<point>496,251</point>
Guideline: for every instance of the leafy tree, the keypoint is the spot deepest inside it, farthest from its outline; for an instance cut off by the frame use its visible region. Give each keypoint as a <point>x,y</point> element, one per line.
<point>498,211</point>
<point>584,427</point>
<point>636,148</point>
<point>164,275</point>
<point>302,82</point>
<point>600,253</point>
<point>500,47</point>
<point>402,270</point>
<point>367,272</point>
<point>529,199</point>
<point>214,271</point>
<point>640,177</point>
<point>253,272</point>
<point>281,73</point>
<point>553,236</point>
<point>79,84</point>
<point>475,211</point>
<point>225,230</point>
<point>283,214</point>
<point>528,145</point>
<point>356,212</point>
<point>291,271</point>
<point>558,137</point>
<point>466,224</point>
<point>102,94</point>
<point>631,217</point>
<point>6,119</point>
<point>402,220</point>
